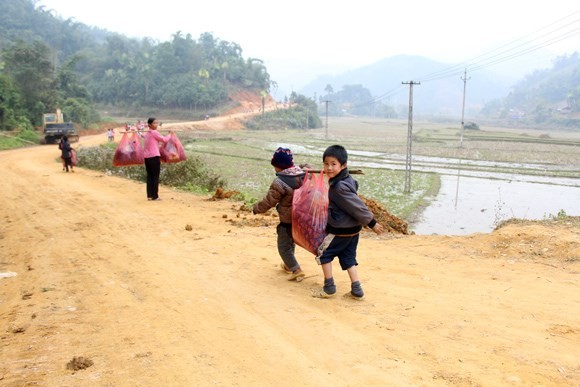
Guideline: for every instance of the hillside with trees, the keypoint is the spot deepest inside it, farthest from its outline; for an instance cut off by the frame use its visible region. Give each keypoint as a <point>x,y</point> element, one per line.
<point>545,97</point>
<point>47,62</point>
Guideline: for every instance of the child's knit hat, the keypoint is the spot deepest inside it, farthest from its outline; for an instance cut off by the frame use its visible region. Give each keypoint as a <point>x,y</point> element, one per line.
<point>283,158</point>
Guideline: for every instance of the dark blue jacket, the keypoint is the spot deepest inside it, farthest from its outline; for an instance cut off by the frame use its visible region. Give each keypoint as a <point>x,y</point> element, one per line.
<point>347,213</point>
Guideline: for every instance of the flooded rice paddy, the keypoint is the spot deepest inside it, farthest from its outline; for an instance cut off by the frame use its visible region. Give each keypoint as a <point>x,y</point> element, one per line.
<point>475,196</point>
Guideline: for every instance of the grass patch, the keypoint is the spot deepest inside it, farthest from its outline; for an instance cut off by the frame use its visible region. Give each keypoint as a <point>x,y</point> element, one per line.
<point>561,218</point>
<point>12,140</point>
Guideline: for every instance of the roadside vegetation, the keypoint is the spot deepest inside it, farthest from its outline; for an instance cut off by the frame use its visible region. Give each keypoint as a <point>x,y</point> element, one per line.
<point>18,139</point>
<point>192,175</point>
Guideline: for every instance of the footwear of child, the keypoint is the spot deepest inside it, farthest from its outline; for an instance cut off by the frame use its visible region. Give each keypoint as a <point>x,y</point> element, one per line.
<point>298,275</point>
<point>320,293</point>
<point>285,268</point>
<point>353,297</point>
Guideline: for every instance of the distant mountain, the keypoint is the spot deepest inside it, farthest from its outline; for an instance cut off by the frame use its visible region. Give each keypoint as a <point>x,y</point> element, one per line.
<point>440,91</point>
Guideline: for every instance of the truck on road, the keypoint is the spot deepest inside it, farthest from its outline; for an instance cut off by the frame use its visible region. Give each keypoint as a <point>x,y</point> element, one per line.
<point>55,128</point>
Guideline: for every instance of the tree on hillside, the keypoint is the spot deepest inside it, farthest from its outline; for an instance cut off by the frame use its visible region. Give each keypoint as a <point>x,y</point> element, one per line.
<point>545,96</point>
<point>301,115</point>
<point>39,88</point>
<point>12,115</point>
<point>30,68</point>
<point>74,98</point>
<point>182,73</point>
<point>354,100</point>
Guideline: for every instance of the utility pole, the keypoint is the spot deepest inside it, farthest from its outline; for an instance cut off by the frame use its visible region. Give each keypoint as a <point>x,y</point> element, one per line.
<point>326,102</point>
<point>465,79</point>
<point>409,137</point>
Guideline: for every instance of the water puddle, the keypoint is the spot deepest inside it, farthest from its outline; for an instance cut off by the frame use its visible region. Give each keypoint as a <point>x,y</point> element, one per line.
<point>468,205</point>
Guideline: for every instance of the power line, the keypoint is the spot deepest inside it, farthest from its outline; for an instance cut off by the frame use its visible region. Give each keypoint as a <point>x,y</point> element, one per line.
<point>496,55</point>
<point>484,60</point>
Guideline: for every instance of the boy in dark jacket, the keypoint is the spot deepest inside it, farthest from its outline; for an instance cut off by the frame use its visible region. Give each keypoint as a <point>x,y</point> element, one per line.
<point>347,214</point>
<point>288,178</point>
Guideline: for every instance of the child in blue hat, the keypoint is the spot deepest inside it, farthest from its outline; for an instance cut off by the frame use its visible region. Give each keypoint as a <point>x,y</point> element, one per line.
<point>280,194</point>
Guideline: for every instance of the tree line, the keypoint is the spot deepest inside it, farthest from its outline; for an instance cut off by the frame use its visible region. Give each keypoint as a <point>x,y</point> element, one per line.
<point>545,97</point>
<point>48,63</point>
<point>354,100</point>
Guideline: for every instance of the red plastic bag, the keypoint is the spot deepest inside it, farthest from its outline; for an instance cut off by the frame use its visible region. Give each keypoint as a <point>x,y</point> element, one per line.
<point>73,157</point>
<point>172,151</point>
<point>310,212</point>
<point>129,151</point>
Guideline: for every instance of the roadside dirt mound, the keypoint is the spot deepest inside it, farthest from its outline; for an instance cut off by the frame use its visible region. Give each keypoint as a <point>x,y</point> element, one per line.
<point>221,194</point>
<point>390,222</point>
<point>552,242</point>
<point>249,102</point>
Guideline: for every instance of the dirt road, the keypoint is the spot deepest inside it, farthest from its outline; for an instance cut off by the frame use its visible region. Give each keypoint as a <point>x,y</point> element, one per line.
<point>92,271</point>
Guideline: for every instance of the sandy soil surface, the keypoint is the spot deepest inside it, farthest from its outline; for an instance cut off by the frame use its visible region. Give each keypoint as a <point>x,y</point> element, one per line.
<point>98,286</point>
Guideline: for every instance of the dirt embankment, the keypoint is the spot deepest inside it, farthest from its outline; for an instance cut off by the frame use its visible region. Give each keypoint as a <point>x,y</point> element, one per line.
<point>99,286</point>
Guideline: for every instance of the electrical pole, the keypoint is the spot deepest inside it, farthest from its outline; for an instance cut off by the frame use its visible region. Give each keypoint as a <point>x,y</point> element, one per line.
<point>326,102</point>
<point>409,137</point>
<point>465,79</point>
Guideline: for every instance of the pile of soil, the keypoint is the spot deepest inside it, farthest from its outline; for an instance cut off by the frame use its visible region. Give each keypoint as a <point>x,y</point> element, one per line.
<point>249,102</point>
<point>220,194</point>
<point>244,217</point>
<point>390,222</point>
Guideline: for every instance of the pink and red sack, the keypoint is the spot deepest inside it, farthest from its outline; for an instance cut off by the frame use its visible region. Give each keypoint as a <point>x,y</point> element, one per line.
<point>172,151</point>
<point>129,151</point>
<point>310,212</point>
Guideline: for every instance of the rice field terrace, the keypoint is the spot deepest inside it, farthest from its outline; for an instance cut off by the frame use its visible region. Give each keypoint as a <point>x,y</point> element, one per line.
<point>378,147</point>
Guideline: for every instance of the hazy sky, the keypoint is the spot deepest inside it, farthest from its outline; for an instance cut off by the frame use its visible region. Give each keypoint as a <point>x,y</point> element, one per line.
<point>299,39</point>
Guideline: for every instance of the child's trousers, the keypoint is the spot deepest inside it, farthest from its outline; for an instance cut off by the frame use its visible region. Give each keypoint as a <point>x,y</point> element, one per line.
<point>286,246</point>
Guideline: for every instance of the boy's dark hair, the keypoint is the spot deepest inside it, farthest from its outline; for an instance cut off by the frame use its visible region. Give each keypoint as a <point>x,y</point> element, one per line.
<point>150,120</point>
<point>336,151</point>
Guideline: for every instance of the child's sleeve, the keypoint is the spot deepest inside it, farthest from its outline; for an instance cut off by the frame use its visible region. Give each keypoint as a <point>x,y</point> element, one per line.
<point>270,200</point>
<point>353,205</point>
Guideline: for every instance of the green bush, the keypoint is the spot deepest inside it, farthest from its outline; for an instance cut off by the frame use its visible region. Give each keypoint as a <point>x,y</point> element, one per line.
<point>293,118</point>
<point>191,174</point>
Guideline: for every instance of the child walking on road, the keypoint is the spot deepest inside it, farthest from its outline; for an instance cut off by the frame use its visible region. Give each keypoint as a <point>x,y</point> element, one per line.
<point>66,153</point>
<point>347,214</point>
<point>288,178</point>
